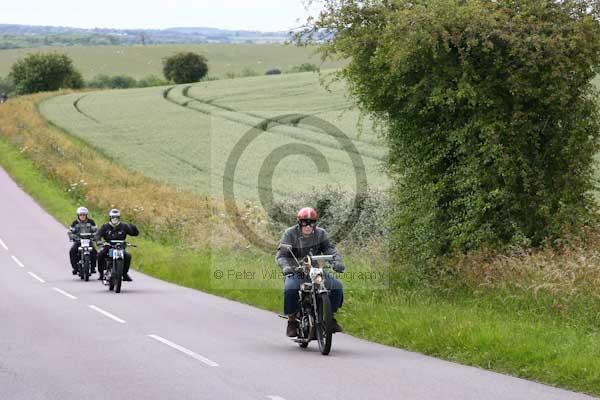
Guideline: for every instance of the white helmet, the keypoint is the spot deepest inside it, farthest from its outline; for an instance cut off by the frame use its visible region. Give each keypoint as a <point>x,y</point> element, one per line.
<point>82,211</point>
<point>114,213</point>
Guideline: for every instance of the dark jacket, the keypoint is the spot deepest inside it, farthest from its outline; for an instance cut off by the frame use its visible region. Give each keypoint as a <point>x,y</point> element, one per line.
<point>316,244</point>
<point>119,232</point>
<point>77,227</point>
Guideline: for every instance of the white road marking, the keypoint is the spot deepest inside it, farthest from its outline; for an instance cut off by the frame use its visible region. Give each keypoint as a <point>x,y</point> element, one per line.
<point>19,263</point>
<point>36,277</point>
<point>106,313</point>
<point>190,353</point>
<point>275,398</point>
<point>3,245</point>
<point>65,293</point>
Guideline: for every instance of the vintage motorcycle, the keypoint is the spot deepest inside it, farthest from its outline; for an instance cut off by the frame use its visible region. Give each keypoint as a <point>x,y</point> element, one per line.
<point>83,236</point>
<point>115,263</point>
<point>314,315</point>
<point>85,255</point>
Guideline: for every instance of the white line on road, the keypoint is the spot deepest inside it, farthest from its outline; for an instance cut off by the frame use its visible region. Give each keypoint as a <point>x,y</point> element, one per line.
<point>19,263</point>
<point>36,277</point>
<point>106,313</point>
<point>185,351</point>
<point>275,398</point>
<point>3,245</point>
<point>65,293</point>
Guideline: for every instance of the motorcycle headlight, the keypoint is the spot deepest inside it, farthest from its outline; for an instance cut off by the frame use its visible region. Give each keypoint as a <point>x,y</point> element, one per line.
<point>319,279</point>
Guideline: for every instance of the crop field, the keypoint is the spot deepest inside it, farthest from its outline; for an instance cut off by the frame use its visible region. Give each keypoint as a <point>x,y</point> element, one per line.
<point>141,61</point>
<point>202,136</point>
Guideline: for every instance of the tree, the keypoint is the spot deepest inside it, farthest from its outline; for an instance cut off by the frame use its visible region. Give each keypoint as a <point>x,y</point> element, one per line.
<point>488,110</point>
<point>44,72</point>
<point>185,67</point>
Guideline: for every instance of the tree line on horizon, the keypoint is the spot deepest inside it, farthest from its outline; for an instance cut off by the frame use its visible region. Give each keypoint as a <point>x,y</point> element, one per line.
<point>38,72</point>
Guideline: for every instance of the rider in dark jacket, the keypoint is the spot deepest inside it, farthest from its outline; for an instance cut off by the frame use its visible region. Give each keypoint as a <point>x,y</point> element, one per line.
<point>306,238</point>
<point>82,224</point>
<point>115,230</point>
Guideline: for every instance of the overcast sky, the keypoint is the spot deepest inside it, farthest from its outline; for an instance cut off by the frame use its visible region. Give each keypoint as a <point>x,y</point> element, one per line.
<point>264,15</point>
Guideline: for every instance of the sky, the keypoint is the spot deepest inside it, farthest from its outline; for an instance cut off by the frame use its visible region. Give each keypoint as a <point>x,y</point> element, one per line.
<point>262,15</point>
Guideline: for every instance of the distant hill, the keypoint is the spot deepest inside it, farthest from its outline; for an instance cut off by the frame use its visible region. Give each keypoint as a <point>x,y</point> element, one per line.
<point>22,36</point>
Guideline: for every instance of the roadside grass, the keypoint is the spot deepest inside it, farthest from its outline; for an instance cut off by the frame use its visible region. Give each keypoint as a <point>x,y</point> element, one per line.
<point>542,325</point>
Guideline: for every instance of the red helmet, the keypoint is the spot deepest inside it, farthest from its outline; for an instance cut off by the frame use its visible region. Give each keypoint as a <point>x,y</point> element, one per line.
<point>307,213</point>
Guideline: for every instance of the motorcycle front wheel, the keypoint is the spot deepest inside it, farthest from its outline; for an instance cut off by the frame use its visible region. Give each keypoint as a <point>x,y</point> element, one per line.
<point>119,276</point>
<point>86,268</point>
<point>111,277</point>
<point>324,323</point>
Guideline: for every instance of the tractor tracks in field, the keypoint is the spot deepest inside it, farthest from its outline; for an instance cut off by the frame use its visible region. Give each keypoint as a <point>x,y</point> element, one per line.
<point>80,111</point>
<point>264,123</point>
<point>196,167</point>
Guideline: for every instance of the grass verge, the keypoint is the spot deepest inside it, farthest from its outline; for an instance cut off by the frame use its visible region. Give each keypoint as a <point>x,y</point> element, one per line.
<point>522,333</point>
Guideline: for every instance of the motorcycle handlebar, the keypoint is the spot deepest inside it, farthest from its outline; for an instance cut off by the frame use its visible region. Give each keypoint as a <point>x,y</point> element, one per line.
<point>112,245</point>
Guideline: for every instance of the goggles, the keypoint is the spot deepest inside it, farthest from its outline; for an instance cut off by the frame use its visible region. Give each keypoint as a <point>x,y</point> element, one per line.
<point>307,222</point>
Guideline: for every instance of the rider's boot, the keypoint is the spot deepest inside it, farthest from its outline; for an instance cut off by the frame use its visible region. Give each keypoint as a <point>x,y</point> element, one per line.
<point>126,276</point>
<point>292,328</point>
<point>335,327</point>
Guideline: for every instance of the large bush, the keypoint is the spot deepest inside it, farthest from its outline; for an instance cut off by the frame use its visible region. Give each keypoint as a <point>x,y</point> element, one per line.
<point>41,72</point>
<point>488,110</point>
<point>185,67</point>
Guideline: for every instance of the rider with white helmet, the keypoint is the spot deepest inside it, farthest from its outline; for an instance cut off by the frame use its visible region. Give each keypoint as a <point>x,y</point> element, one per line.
<point>114,229</point>
<point>81,224</point>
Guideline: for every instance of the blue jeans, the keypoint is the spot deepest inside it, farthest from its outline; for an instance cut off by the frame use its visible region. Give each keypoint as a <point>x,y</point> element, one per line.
<point>292,286</point>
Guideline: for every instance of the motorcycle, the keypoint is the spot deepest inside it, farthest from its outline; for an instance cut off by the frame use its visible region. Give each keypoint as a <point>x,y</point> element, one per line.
<point>115,263</point>
<point>314,315</point>
<point>85,249</point>
<point>85,255</point>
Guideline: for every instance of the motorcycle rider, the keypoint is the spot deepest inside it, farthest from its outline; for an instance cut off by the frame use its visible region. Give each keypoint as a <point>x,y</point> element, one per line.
<point>114,229</point>
<point>82,224</point>
<point>306,238</point>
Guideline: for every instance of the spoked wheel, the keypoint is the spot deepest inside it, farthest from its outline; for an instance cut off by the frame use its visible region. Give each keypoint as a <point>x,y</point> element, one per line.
<point>324,323</point>
<point>80,269</point>
<point>111,277</point>
<point>86,269</point>
<point>119,276</point>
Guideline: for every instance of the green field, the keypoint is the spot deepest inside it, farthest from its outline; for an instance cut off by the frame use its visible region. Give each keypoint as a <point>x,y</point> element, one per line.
<point>141,61</point>
<point>184,135</point>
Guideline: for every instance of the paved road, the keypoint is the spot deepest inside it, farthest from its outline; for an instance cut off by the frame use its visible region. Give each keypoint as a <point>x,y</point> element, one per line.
<point>61,338</point>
